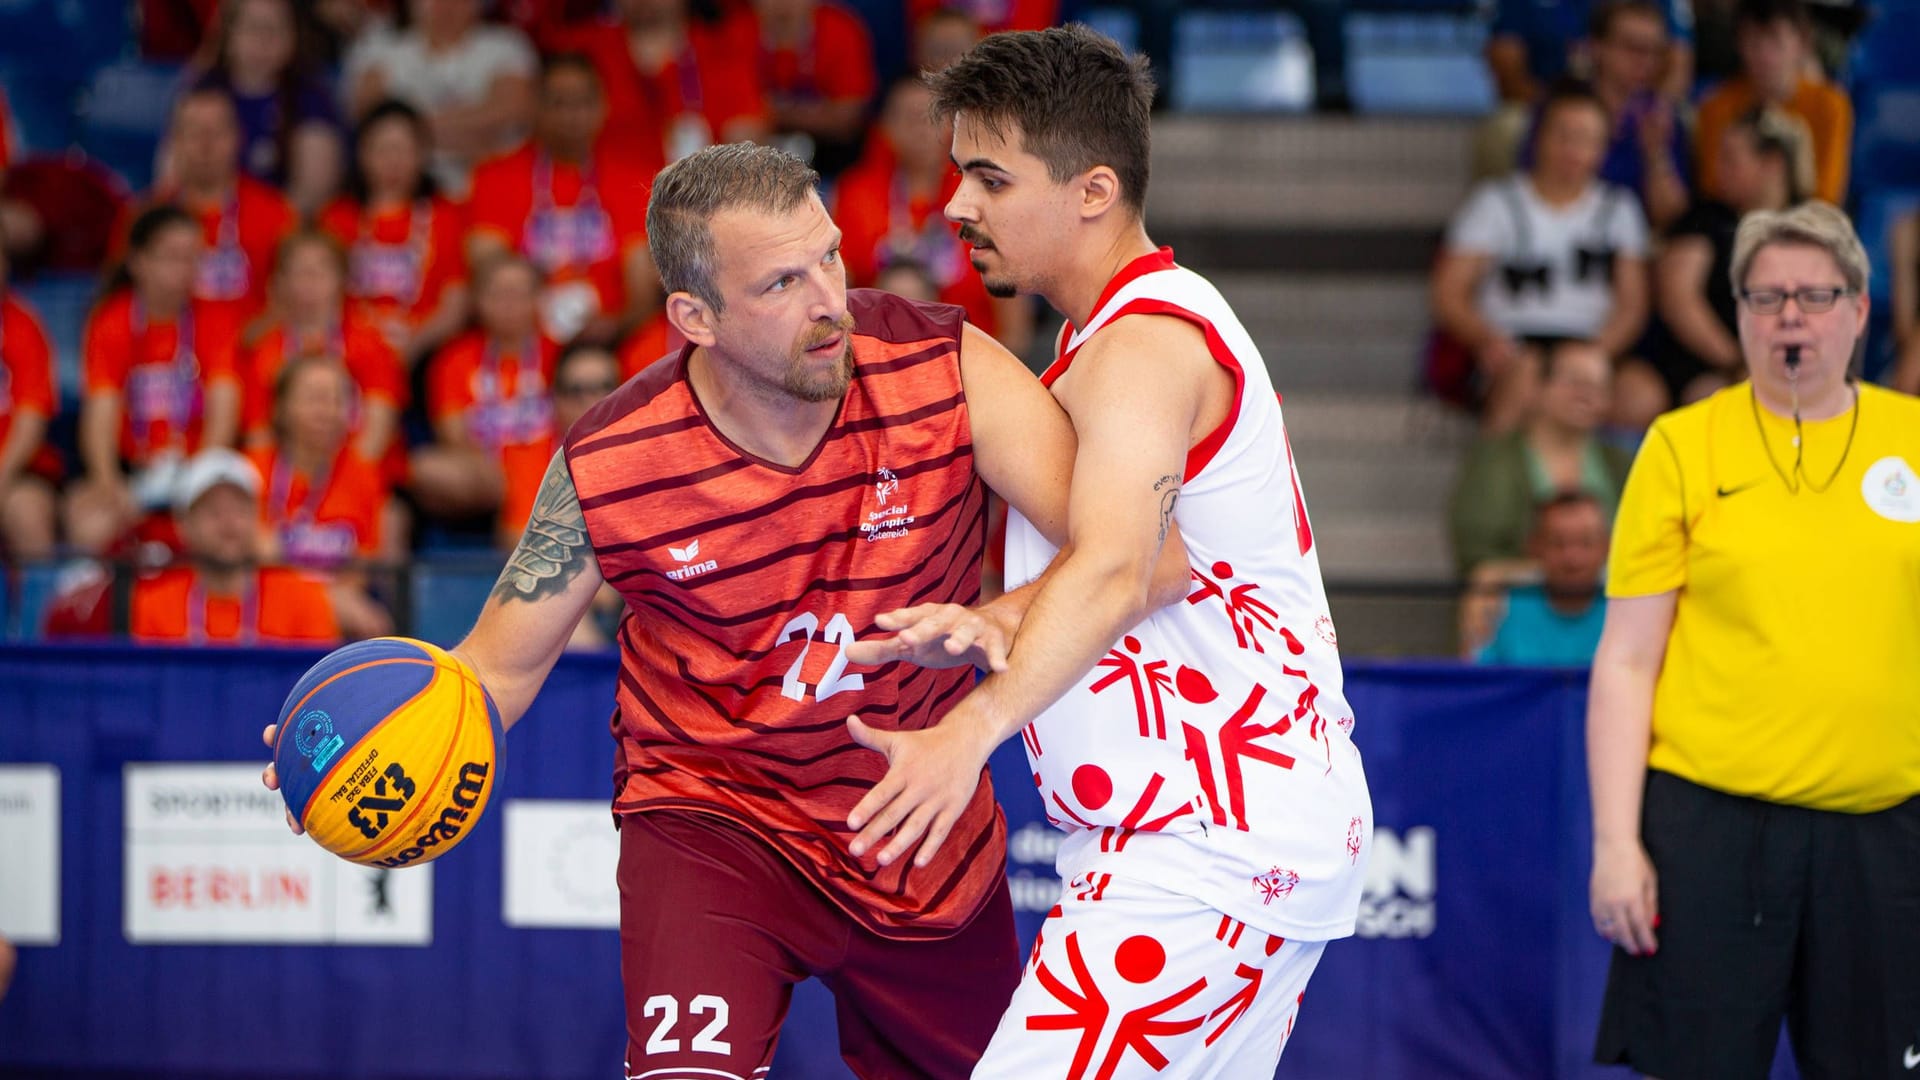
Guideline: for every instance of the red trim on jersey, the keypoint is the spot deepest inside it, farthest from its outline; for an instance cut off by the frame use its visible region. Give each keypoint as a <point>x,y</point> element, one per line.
<point>1152,262</point>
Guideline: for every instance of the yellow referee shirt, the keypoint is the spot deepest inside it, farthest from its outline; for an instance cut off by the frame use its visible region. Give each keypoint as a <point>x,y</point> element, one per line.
<point>1793,670</point>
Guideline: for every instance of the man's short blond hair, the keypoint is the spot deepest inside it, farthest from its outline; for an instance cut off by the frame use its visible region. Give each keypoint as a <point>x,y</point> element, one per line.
<point>1812,224</point>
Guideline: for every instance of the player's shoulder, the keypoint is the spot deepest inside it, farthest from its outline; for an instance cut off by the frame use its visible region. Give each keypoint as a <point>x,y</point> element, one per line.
<point>1891,409</point>
<point>651,387</point>
<point>896,320</point>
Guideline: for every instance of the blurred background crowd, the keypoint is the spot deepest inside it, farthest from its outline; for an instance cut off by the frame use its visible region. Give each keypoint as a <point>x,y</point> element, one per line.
<point>298,296</point>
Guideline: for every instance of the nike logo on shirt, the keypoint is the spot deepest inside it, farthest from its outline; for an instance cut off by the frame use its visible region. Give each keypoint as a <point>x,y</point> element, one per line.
<point>1723,492</point>
<point>1911,1057</point>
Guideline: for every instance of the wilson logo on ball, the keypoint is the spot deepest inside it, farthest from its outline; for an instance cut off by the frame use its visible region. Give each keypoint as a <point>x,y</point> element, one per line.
<point>447,828</point>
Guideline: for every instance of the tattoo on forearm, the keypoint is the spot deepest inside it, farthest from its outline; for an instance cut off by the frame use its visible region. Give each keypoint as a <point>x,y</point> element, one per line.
<point>554,549</point>
<point>1169,488</point>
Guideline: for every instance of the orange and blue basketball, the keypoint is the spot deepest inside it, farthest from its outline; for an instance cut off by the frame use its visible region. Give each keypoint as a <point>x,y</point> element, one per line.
<point>388,751</point>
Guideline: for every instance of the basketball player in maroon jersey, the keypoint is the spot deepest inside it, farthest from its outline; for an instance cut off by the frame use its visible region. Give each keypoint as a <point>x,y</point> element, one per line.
<point>811,458</point>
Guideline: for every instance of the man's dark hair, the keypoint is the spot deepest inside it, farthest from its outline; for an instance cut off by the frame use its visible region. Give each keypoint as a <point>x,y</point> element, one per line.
<point>554,63</point>
<point>1567,92</point>
<point>1759,14</point>
<point>1565,499</point>
<point>690,192</point>
<point>1072,95</point>
<point>1600,22</point>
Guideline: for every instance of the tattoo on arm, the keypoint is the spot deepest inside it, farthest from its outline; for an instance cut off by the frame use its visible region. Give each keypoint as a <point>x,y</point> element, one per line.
<point>554,549</point>
<point>1169,488</point>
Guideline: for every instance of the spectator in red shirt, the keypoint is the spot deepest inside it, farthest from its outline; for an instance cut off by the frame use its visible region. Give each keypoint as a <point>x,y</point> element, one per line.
<point>675,83</point>
<point>310,301</point>
<point>27,403</point>
<point>892,204</point>
<point>406,270</point>
<point>577,210</point>
<point>816,59</point>
<point>221,595</point>
<point>242,220</point>
<point>323,501</point>
<point>491,409</point>
<point>290,128</point>
<point>160,380</point>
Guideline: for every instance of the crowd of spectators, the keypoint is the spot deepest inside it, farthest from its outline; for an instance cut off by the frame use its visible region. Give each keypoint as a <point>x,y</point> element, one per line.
<point>390,251</point>
<point>392,247</point>
<point>1583,288</point>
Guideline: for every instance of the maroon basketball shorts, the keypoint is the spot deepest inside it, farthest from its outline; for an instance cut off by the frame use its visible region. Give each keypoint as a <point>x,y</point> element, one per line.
<point>716,928</point>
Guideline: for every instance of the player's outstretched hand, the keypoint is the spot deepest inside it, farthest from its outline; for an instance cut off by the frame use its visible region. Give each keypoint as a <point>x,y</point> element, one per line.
<point>272,779</point>
<point>938,636</point>
<point>930,779</point>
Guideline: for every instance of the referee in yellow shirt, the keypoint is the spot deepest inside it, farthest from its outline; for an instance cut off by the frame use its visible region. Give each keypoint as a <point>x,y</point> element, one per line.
<point>1753,731</point>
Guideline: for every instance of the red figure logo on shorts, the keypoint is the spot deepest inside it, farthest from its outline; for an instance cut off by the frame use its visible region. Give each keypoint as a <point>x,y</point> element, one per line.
<point>1275,883</point>
<point>1353,841</point>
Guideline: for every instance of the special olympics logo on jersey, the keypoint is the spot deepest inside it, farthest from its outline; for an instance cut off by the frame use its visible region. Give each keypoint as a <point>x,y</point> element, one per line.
<point>1353,841</point>
<point>884,485</point>
<point>1275,884</point>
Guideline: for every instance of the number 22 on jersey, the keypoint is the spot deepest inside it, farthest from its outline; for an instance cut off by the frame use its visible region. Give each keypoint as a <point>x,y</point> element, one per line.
<point>839,633</point>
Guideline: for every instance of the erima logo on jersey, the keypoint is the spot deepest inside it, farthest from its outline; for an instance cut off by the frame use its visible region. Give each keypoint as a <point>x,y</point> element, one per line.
<point>687,555</point>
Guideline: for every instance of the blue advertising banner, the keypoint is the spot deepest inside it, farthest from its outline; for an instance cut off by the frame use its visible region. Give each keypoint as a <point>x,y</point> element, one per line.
<point>1474,957</point>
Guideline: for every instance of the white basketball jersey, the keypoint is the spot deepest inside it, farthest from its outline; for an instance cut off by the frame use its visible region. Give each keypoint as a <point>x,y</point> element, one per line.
<point>1210,751</point>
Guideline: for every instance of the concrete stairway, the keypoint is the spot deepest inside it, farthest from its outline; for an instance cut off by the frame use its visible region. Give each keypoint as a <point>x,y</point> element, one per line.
<point>1320,231</point>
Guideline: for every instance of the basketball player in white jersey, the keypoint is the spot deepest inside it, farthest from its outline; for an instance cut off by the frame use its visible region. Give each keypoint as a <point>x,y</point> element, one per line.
<point>1217,815</point>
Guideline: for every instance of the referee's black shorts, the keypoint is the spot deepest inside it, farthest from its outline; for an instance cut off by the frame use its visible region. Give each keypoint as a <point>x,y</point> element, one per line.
<point>1770,911</point>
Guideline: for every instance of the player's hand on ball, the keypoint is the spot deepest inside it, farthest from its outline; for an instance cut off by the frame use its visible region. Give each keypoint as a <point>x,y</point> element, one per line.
<point>938,636</point>
<point>272,779</point>
<point>931,776</point>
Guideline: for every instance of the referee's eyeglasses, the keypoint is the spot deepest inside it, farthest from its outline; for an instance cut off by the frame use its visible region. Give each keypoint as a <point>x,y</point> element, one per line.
<point>1812,301</point>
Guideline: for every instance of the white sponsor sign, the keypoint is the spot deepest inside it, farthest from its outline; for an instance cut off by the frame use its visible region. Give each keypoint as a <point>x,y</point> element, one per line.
<point>1401,885</point>
<point>559,866</point>
<point>209,859</point>
<point>30,854</point>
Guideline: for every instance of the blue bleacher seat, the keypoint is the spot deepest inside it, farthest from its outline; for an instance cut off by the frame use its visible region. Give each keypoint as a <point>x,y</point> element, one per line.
<point>1424,63</point>
<point>41,104</point>
<point>121,113</point>
<point>1240,61</point>
<point>36,587</point>
<point>1880,206</point>
<point>447,594</point>
<point>62,301</point>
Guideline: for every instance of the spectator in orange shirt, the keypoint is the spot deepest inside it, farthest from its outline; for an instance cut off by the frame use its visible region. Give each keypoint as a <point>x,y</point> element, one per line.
<point>222,594</point>
<point>290,127</point>
<point>1775,39</point>
<point>160,381</point>
<point>674,82</point>
<point>575,209</point>
<point>891,206</point>
<point>488,399</point>
<point>582,375</point>
<point>312,320</point>
<point>27,403</point>
<point>816,60</point>
<point>242,220</point>
<point>655,340</point>
<point>323,501</point>
<point>406,272</point>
